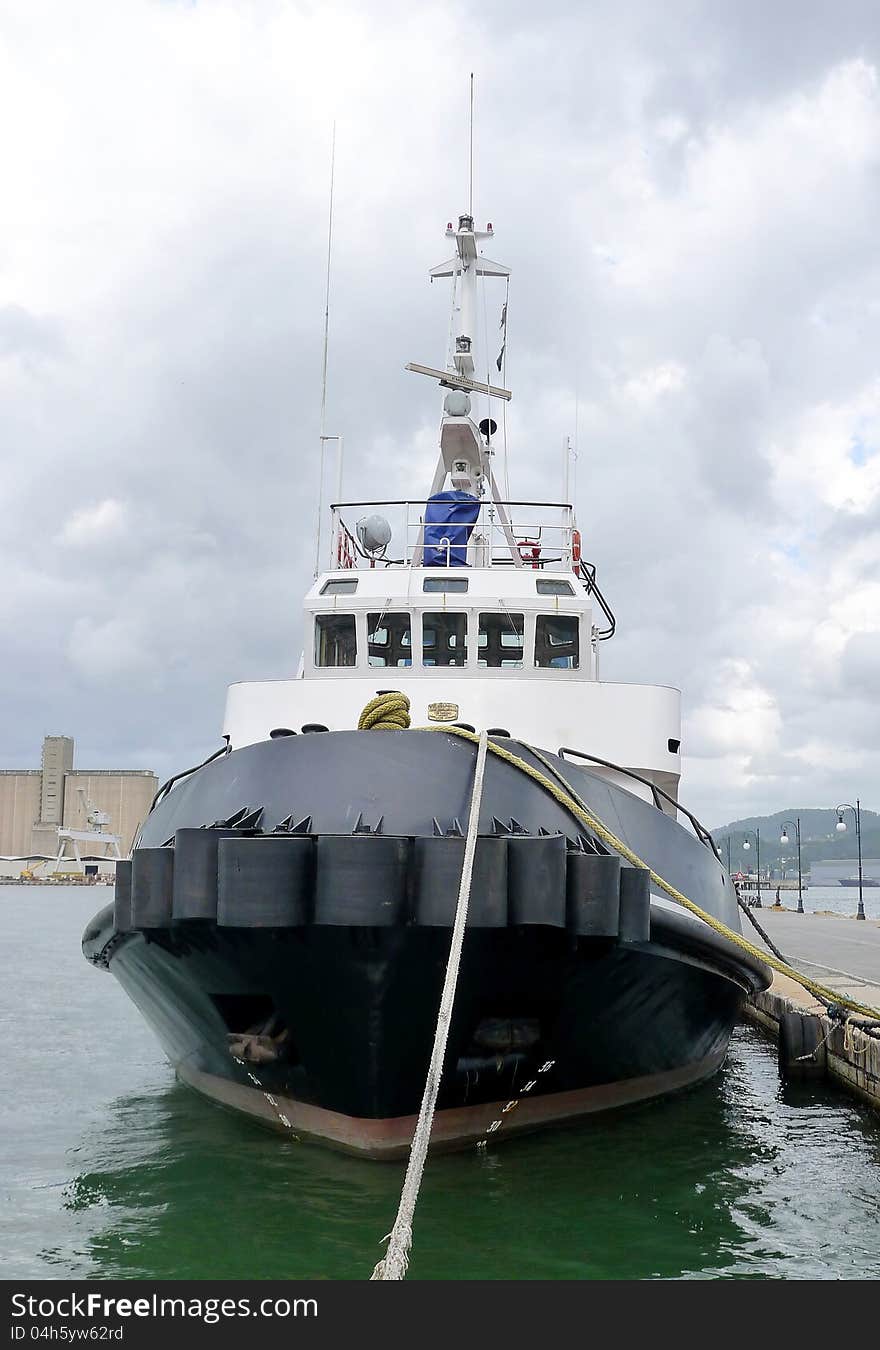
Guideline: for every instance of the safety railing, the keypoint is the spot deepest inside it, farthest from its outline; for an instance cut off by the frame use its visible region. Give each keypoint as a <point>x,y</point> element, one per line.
<point>658,794</point>
<point>587,575</point>
<point>536,535</point>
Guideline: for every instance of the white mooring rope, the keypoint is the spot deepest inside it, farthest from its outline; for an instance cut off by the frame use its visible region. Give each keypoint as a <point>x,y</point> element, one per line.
<point>394,1263</point>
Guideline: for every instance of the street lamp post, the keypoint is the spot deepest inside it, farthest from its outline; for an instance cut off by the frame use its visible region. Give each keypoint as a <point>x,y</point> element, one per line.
<point>728,856</point>
<point>841,827</point>
<point>747,845</point>
<point>783,839</point>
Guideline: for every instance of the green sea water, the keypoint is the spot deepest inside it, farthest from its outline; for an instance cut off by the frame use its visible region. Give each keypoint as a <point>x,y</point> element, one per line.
<point>111,1170</point>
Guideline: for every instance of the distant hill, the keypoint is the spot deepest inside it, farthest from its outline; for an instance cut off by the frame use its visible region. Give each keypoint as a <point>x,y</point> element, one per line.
<point>819,838</point>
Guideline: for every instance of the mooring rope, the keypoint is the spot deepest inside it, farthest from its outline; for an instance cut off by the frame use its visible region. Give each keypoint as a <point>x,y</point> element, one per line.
<point>390,711</point>
<point>570,799</point>
<point>396,1259</point>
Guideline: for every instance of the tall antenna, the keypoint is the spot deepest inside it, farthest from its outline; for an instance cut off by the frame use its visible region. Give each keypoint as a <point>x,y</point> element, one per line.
<point>577,419</point>
<point>471,155</point>
<point>323,437</point>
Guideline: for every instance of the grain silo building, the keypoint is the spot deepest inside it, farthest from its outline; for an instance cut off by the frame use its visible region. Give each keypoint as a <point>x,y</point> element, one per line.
<point>35,802</point>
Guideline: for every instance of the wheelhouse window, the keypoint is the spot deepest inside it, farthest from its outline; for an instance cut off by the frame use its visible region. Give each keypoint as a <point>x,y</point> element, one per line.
<point>556,641</point>
<point>444,639</point>
<point>340,586</point>
<point>389,640</point>
<point>553,586</point>
<point>335,640</point>
<point>500,640</point>
<point>457,584</point>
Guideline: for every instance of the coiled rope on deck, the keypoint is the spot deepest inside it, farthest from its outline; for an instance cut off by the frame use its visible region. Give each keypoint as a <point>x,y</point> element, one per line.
<point>396,1259</point>
<point>388,711</point>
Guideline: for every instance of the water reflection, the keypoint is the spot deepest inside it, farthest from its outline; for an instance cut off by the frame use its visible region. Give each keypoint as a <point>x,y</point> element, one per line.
<point>113,1171</point>
<point>729,1179</point>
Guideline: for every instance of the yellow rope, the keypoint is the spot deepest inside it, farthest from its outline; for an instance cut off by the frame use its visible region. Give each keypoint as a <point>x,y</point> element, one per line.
<point>385,712</point>
<point>390,712</point>
<point>570,800</point>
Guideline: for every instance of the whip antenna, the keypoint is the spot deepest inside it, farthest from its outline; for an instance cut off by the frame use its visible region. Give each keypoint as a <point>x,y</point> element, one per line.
<point>471,154</point>
<point>323,437</point>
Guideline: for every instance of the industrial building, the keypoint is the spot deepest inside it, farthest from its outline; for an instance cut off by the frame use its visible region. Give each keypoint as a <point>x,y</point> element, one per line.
<point>34,803</point>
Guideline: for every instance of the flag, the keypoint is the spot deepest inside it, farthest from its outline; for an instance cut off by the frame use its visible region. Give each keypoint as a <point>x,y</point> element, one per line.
<point>503,326</point>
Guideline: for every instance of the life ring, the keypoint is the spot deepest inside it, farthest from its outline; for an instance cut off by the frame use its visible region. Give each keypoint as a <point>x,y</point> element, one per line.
<point>575,550</point>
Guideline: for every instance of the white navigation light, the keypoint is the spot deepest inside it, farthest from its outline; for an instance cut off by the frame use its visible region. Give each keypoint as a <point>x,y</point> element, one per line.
<point>457,403</point>
<point>374,534</point>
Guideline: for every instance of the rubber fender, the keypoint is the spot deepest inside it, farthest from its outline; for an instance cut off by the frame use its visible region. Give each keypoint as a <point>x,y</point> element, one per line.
<point>536,880</point>
<point>802,1050</point>
<point>195,873</point>
<point>122,898</point>
<point>265,883</point>
<point>361,880</point>
<point>436,875</point>
<point>152,882</point>
<point>593,894</point>
<point>635,904</point>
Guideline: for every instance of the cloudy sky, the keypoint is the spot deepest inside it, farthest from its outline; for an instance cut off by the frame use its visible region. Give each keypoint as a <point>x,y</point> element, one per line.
<point>688,195</point>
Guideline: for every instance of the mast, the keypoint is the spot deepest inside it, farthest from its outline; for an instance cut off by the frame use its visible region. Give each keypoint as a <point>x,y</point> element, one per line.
<point>463,453</point>
<point>465,458</point>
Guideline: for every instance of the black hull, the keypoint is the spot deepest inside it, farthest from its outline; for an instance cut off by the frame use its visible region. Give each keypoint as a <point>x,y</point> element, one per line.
<point>555,1010</point>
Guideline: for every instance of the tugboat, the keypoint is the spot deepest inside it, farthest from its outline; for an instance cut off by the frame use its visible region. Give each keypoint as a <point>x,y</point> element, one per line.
<point>284,921</point>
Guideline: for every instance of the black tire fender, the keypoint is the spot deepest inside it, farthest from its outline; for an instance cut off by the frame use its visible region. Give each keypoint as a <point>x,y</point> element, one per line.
<point>802,1050</point>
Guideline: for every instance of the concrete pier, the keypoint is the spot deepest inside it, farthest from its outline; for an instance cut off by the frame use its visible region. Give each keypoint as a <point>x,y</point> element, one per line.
<point>842,954</point>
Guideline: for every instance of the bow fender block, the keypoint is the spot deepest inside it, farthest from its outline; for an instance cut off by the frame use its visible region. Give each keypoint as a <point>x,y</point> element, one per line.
<point>536,872</point>
<point>194,893</point>
<point>593,894</point>
<point>122,898</point>
<point>361,880</point>
<point>265,883</point>
<point>635,904</point>
<point>152,882</point>
<point>437,865</point>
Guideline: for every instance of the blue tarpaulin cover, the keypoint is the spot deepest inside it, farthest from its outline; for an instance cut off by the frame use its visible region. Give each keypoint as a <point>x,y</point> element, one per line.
<point>449,519</point>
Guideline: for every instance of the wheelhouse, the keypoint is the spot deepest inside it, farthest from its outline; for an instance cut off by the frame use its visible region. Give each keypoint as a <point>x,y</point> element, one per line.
<point>440,623</point>
<point>505,593</point>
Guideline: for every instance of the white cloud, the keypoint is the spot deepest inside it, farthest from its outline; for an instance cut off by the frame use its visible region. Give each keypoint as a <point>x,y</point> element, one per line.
<point>688,198</point>
<point>98,525</point>
<point>738,717</point>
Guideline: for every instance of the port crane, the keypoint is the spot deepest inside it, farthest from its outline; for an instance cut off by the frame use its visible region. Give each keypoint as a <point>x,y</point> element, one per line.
<point>95,833</point>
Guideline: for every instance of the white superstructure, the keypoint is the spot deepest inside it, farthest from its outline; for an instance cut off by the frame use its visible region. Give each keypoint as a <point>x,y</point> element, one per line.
<point>481,610</point>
